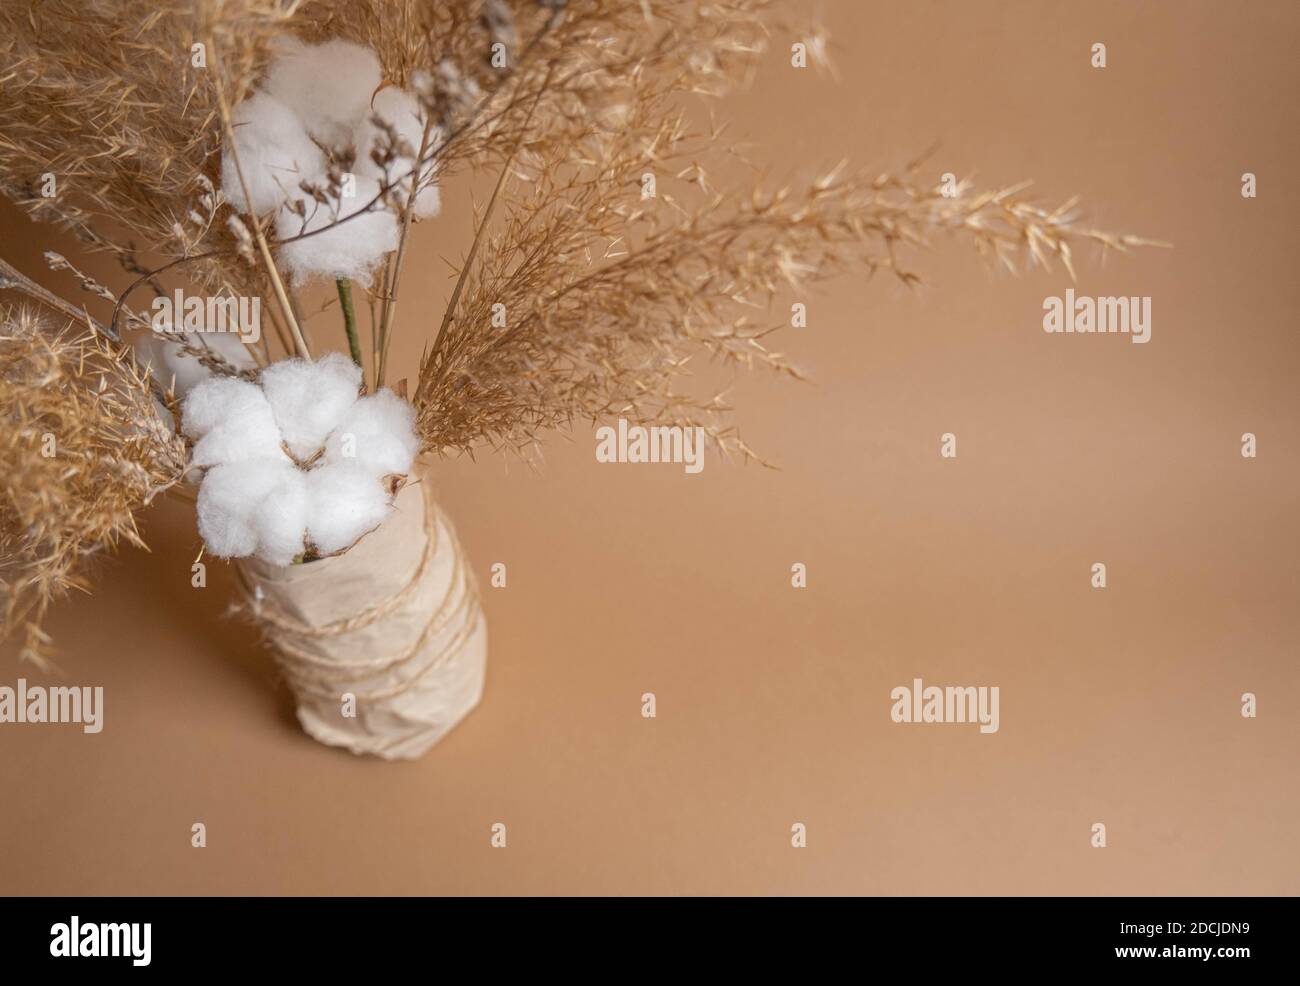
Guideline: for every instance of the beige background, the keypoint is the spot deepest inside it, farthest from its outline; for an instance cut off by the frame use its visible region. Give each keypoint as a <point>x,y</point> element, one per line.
<point>1119,706</point>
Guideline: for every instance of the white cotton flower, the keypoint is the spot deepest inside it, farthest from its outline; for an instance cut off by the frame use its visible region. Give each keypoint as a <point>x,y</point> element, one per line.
<point>256,500</point>
<point>308,399</point>
<point>212,401</point>
<point>328,86</point>
<point>232,420</point>
<point>253,438</point>
<point>275,151</point>
<point>281,519</point>
<point>254,506</point>
<point>377,434</point>
<point>350,249</point>
<point>400,110</point>
<point>344,501</point>
<point>316,101</point>
<point>403,112</point>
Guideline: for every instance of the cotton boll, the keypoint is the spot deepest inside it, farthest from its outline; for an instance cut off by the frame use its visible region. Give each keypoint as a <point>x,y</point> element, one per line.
<point>232,421</point>
<point>253,437</point>
<point>232,499</point>
<point>428,202</point>
<point>403,112</point>
<point>225,511</point>
<point>308,399</point>
<point>275,152</point>
<point>352,249</point>
<point>378,434</point>
<point>280,521</point>
<point>328,86</point>
<point>344,501</point>
<point>216,401</point>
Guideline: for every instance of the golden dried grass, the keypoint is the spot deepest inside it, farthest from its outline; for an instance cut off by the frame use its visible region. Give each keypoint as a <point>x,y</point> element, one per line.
<point>609,298</point>
<point>82,449</point>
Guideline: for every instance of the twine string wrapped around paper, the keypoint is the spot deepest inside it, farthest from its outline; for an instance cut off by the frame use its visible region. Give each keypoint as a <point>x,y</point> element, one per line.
<point>406,662</point>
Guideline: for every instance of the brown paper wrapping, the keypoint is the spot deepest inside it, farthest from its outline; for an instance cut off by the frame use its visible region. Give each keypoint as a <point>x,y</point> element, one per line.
<point>394,622</point>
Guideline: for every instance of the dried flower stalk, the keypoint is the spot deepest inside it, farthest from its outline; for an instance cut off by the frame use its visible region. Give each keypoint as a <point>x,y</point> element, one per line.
<point>609,297</point>
<point>82,449</point>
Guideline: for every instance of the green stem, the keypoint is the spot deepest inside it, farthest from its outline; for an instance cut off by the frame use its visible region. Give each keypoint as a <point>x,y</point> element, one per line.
<point>349,318</point>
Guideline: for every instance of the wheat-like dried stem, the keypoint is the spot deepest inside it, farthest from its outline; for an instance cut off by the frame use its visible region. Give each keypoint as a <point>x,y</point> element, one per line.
<point>393,272</point>
<point>14,279</point>
<point>277,284</point>
<point>81,450</point>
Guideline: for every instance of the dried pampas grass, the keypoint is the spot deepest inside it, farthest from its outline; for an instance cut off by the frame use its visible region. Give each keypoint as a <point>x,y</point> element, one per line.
<point>105,98</point>
<point>583,298</point>
<point>578,298</point>
<point>610,299</point>
<point>83,448</point>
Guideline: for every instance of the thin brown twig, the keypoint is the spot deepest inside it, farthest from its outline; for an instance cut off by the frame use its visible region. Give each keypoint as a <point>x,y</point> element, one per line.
<point>474,122</point>
<point>277,284</point>
<point>390,288</point>
<point>14,279</point>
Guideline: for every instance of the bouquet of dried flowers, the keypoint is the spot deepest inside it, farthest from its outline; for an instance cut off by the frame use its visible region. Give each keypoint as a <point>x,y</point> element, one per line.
<point>245,148</point>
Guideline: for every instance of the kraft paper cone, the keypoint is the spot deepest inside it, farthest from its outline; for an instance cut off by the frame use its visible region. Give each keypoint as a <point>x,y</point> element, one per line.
<point>394,622</point>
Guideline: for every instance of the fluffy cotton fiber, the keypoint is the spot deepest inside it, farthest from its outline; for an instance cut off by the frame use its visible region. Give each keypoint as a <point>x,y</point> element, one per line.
<point>232,420</point>
<point>318,99</point>
<point>402,111</point>
<point>309,399</point>
<point>378,433</point>
<point>276,154</point>
<point>344,502</point>
<point>255,506</point>
<point>350,249</point>
<point>328,86</point>
<point>280,520</point>
<point>256,500</point>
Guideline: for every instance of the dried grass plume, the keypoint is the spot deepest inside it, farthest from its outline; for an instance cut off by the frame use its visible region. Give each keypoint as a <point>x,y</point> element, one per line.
<point>82,449</point>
